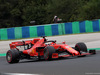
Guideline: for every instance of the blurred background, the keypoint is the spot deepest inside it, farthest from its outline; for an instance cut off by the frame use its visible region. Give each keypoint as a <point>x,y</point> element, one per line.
<point>18,13</point>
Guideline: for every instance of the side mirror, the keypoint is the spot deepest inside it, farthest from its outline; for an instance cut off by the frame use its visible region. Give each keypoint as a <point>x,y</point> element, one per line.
<point>63,42</point>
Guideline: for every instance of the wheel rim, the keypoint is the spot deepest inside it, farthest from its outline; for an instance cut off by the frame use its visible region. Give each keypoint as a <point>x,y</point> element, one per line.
<point>9,57</point>
<point>46,54</point>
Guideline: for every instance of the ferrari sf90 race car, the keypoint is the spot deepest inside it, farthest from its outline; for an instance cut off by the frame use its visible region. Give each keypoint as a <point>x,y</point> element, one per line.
<point>46,49</point>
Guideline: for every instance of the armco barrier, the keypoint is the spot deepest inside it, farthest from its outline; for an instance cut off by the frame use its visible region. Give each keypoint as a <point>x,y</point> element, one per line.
<point>50,30</point>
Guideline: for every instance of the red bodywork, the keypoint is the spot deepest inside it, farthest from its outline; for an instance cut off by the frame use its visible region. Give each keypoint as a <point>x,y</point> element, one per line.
<point>38,48</point>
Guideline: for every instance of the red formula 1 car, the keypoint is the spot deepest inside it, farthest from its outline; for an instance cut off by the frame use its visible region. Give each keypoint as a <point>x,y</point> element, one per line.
<point>42,48</point>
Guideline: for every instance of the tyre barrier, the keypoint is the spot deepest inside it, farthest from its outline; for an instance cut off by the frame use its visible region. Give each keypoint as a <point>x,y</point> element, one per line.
<point>50,29</point>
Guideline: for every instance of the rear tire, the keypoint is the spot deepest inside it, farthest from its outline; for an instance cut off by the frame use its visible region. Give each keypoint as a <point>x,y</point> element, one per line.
<point>12,56</point>
<point>81,47</point>
<point>48,51</point>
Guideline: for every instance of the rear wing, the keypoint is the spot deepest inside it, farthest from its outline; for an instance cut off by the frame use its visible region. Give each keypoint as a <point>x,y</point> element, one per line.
<point>19,43</point>
<point>23,43</point>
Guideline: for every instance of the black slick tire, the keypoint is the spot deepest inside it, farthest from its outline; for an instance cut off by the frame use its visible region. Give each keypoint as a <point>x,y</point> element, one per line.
<point>12,56</point>
<point>48,51</point>
<point>81,47</point>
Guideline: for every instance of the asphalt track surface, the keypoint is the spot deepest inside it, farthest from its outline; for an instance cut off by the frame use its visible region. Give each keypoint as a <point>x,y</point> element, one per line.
<point>89,65</point>
<point>66,66</point>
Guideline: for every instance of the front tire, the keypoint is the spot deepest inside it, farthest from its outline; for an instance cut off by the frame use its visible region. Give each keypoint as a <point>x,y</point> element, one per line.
<point>81,47</point>
<point>12,56</point>
<point>48,51</point>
